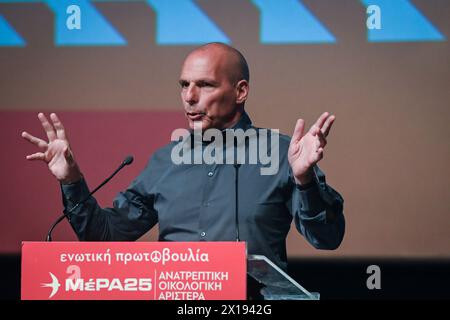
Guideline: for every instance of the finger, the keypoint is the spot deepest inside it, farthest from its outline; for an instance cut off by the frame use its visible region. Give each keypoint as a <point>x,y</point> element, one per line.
<point>36,141</point>
<point>49,130</point>
<point>322,139</point>
<point>314,130</point>
<point>298,131</point>
<point>60,131</point>
<point>317,156</point>
<point>320,122</point>
<point>36,156</point>
<point>327,126</point>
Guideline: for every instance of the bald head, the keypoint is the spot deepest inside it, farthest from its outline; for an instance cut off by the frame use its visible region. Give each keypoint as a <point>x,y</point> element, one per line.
<point>214,86</point>
<point>233,62</point>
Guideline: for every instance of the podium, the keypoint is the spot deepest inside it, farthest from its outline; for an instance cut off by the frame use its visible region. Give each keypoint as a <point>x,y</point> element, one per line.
<point>151,271</point>
<point>273,283</point>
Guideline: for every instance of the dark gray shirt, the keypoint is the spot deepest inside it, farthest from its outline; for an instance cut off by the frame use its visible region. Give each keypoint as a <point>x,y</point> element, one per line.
<point>196,202</point>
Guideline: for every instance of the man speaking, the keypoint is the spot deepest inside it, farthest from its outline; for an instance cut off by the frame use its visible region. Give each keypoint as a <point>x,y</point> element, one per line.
<point>204,200</point>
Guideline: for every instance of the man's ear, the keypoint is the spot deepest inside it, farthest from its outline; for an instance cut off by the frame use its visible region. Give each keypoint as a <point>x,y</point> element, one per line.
<point>242,88</point>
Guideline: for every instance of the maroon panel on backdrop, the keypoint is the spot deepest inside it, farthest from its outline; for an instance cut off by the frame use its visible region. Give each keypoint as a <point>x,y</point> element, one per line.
<point>31,198</point>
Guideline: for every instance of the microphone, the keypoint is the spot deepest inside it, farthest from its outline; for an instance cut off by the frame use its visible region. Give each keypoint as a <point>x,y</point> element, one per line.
<point>127,161</point>
<point>237,164</point>
<point>236,199</point>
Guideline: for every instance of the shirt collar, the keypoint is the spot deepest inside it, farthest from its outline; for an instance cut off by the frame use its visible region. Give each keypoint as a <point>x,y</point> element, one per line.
<point>243,123</point>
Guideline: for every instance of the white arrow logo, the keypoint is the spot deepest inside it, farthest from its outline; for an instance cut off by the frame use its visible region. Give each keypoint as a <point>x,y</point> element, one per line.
<point>54,285</point>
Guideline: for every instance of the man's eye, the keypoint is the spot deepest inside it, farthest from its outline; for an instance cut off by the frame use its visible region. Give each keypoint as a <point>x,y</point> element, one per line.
<point>184,84</point>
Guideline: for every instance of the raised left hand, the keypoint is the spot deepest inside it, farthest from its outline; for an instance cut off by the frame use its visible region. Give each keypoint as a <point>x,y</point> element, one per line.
<point>305,150</point>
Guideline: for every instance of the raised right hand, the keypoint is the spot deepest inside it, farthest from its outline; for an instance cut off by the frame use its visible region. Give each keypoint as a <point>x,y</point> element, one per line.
<point>56,152</point>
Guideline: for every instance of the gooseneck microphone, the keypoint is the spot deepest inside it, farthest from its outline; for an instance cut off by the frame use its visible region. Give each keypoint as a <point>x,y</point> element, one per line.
<point>127,161</point>
<point>236,199</point>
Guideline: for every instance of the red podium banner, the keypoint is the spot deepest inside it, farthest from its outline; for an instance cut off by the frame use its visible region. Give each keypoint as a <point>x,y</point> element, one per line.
<point>134,271</point>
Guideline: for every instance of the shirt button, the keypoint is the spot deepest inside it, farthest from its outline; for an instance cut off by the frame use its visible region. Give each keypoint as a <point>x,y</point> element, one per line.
<point>203,234</point>
<point>206,204</point>
<point>210,174</point>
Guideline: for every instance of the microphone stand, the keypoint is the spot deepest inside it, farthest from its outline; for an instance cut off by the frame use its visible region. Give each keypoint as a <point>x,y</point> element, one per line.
<point>236,198</point>
<point>128,160</point>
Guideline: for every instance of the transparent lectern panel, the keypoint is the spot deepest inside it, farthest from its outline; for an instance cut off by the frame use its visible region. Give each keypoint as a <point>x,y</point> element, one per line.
<point>275,283</point>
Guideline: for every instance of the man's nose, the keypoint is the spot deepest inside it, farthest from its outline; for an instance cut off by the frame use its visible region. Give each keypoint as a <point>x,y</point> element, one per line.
<point>191,95</point>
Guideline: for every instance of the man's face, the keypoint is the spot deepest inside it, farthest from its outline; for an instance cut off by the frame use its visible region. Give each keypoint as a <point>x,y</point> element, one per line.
<point>208,94</point>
